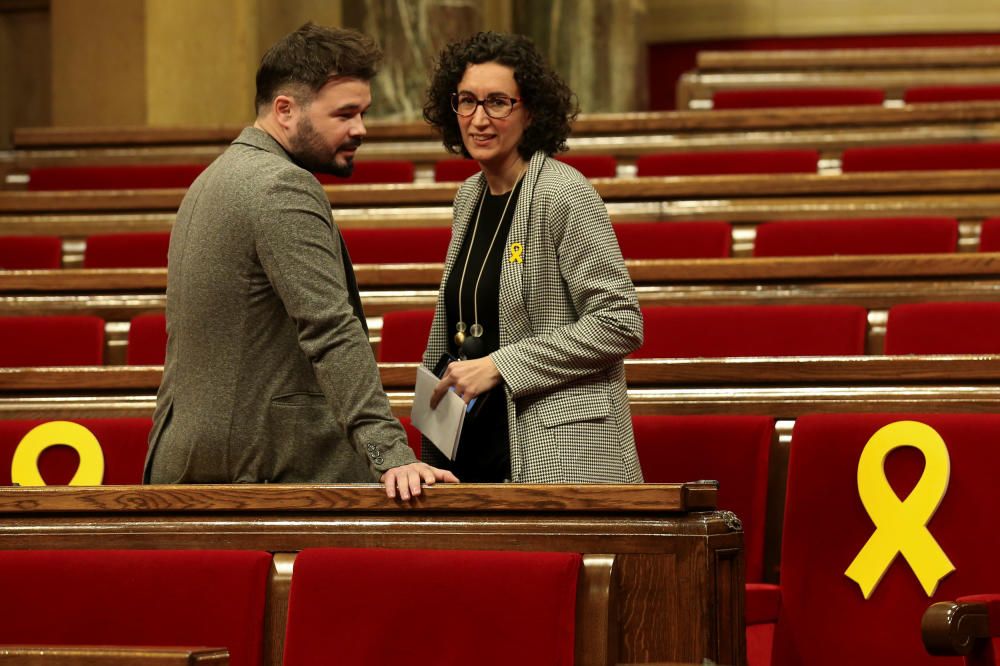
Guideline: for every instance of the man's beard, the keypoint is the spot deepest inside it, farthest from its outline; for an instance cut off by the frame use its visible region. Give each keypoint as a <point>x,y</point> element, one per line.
<point>310,152</point>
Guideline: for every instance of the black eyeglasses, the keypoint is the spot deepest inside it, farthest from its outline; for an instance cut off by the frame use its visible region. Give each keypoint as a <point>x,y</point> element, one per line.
<point>495,106</point>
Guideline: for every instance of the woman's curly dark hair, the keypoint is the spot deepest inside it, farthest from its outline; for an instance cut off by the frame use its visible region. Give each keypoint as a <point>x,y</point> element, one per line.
<point>551,103</point>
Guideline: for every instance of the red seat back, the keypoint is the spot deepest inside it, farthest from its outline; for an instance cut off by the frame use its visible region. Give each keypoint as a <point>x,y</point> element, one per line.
<point>910,235</point>
<point>404,335</point>
<point>452,171</point>
<point>401,245</point>
<point>128,250</point>
<point>943,328</point>
<point>922,94</point>
<point>796,97</point>
<point>372,172</point>
<point>135,597</point>
<point>592,166</point>
<point>122,440</point>
<point>413,437</point>
<point>147,340</point>
<point>126,177</point>
<point>51,341</point>
<point>932,157</point>
<point>30,252</point>
<point>674,240</point>
<point>728,162</point>
<point>753,330</point>
<point>487,608</point>
<point>824,619</point>
<point>989,236</point>
<point>733,450</point>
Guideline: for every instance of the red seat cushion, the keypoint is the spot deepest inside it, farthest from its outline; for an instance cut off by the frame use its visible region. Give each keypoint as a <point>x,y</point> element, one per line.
<point>371,172</point>
<point>592,166</point>
<point>401,245</point>
<point>796,97</point>
<point>487,608</point>
<point>122,440</point>
<point>753,330</point>
<point>51,341</point>
<point>674,240</point>
<point>732,450</point>
<point>147,340</point>
<point>932,157</point>
<point>127,177</point>
<point>128,250</point>
<point>824,620</point>
<point>989,236</point>
<point>404,335</point>
<point>115,597</point>
<point>728,162</point>
<point>30,252</point>
<point>920,94</point>
<point>451,171</point>
<point>911,235</point>
<point>943,328</point>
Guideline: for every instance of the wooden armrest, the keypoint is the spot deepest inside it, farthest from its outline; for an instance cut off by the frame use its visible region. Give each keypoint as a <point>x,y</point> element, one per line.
<point>952,628</point>
<point>106,655</point>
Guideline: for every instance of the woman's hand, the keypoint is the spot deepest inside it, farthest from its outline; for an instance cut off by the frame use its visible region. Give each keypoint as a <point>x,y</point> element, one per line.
<point>470,379</point>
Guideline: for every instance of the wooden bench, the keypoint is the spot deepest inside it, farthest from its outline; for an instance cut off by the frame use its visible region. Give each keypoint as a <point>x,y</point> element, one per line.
<point>840,58</point>
<point>87,655</point>
<point>633,604</point>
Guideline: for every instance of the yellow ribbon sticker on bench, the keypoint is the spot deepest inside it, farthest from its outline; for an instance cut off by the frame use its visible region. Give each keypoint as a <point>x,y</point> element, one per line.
<point>24,467</point>
<point>901,527</point>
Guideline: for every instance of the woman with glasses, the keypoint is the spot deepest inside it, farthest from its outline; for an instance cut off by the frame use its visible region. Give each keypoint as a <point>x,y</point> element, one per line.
<point>535,300</point>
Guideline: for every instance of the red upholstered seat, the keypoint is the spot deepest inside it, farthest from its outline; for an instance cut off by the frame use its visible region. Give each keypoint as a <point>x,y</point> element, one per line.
<point>943,328</point>
<point>404,335</point>
<point>126,177</point>
<point>931,157</point>
<point>122,440</point>
<point>373,171</point>
<point>30,252</point>
<point>753,330</point>
<point>989,236</point>
<point>592,166</point>
<point>147,340</point>
<point>481,607</point>
<point>794,97</point>
<point>674,240</point>
<point>51,341</point>
<point>728,162</point>
<point>412,435</point>
<point>899,235</point>
<point>732,450</point>
<point>115,597</point>
<point>921,94</point>
<point>127,250</point>
<point>824,620</point>
<point>400,245</point>
<point>452,171</point>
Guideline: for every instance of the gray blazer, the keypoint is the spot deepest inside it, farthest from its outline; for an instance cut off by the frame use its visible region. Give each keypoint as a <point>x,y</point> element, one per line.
<point>269,374</point>
<point>568,316</point>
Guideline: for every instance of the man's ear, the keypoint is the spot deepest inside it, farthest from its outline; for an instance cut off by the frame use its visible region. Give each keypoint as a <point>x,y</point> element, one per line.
<point>285,110</point>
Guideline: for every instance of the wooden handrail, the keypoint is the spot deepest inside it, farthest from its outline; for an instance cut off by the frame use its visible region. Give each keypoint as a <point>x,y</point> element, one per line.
<point>861,58</point>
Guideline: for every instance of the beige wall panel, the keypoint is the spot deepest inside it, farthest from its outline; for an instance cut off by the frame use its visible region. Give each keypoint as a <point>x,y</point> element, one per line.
<point>201,60</point>
<point>98,62</point>
<point>683,20</point>
<point>280,17</point>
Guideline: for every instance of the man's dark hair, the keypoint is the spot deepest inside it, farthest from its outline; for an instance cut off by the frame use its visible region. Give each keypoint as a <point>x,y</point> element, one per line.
<point>549,100</point>
<point>302,62</point>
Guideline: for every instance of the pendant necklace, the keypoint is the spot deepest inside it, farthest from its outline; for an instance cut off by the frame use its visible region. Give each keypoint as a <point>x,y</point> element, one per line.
<point>471,345</point>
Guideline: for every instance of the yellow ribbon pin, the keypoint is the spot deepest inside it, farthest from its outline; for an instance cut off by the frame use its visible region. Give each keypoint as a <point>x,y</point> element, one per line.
<point>515,253</point>
<point>901,527</point>
<point>24,466</point>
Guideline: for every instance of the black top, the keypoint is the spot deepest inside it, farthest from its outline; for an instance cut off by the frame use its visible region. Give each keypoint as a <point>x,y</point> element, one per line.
<point>484,449</point>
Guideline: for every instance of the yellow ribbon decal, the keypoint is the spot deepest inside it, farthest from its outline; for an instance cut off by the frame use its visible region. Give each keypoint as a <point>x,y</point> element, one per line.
<point>515,253</point>
<point>24,467</point>
<point>901,527</point>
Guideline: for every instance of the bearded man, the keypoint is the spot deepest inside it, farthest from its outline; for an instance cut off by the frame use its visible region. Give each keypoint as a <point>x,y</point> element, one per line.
<point>269,375</point>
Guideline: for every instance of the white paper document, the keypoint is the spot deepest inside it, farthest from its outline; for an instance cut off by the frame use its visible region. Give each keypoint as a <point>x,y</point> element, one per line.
<point>443,426</point>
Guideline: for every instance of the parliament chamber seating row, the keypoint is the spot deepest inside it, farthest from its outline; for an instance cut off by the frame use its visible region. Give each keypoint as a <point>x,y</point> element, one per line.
<point>832,97</point>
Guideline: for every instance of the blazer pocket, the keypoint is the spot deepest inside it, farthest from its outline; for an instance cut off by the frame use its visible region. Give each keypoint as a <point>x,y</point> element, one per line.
<point>562,408</point>
<point>298,399</point>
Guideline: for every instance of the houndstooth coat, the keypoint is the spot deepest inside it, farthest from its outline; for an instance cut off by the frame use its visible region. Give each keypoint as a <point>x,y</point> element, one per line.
<point>568,316</point>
